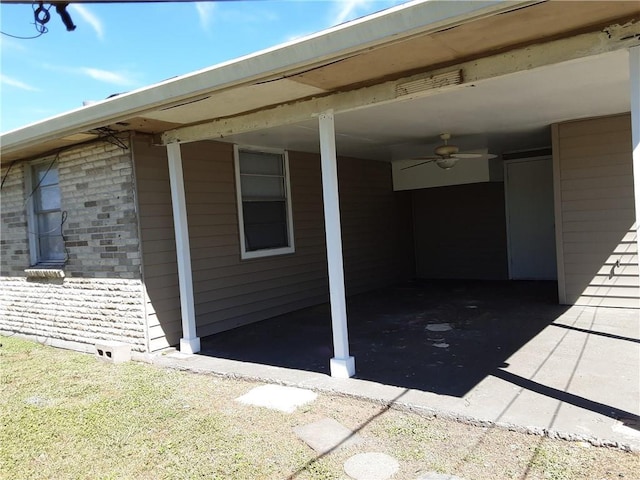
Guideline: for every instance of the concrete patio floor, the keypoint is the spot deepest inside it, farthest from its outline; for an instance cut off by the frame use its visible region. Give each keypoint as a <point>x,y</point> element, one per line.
<point>500,353</point>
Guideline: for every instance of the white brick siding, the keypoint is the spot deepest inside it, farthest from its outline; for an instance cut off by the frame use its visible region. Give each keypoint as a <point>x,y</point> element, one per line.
<point>101,296</point>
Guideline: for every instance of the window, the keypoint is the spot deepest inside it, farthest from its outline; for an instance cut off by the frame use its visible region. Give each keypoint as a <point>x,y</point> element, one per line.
<point>264,206</point>
<point>45,216</point>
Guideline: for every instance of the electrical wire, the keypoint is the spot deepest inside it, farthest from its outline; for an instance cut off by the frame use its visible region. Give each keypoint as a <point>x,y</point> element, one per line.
<point>64,238</point>
<point>41,16</point>
<point>6,174</point>
<point>110,136</point>
<point>44,30</point>
<point>55,159</point>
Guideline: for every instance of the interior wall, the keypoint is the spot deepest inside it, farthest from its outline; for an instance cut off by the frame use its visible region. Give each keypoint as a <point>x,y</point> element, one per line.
<point>595,212</point>
<point>228,291</point>
<point>460,232</point>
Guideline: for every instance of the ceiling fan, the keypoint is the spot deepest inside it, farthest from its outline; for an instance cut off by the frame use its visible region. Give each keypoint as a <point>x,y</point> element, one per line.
<point>446,156</point>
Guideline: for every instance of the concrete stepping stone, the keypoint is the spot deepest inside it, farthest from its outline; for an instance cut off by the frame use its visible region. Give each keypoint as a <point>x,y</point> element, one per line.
<point>326,435</point>
<point>438,476</point>
<point>439,327</point>
<point>278,397</point>
<point>371,466</point>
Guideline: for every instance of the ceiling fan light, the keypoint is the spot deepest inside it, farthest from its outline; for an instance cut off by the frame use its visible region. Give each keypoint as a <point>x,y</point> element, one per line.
<point>446,163</point>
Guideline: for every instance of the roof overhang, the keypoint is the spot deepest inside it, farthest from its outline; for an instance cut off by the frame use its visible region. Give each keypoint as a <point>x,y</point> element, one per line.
<point>411,42</point>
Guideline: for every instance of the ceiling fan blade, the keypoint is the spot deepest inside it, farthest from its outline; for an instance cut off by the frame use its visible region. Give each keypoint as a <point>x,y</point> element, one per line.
<point>488,156</point>
<point>418,164</point>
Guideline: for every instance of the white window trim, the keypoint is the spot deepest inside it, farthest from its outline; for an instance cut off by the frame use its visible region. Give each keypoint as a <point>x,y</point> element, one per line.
<point>267,252</point>
<point>32,224</point>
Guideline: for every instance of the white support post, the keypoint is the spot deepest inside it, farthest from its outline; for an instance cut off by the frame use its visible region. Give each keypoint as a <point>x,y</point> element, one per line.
<point>634,80</point>
<point>342,365</point>
<point>190,342</point>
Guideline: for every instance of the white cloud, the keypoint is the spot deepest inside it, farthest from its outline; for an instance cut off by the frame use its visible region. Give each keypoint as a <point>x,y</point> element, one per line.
<point>9,44</point>
<point>106,76</point>
<point>90,18</point>
<point>121,77</point>
<point>205,13</point>
<point>12,82</point>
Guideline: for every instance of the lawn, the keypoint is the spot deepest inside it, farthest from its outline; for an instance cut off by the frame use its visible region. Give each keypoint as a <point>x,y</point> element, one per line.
<point>66,415</point>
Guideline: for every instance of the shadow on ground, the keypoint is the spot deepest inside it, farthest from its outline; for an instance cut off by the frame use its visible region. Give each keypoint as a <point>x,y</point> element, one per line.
<point>437,336</point>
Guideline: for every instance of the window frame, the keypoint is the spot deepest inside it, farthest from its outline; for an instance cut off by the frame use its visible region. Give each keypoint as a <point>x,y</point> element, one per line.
<point>33,226</point>
<point>265,252</point>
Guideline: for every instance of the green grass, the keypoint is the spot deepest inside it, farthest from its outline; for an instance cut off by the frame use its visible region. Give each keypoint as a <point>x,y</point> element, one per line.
<point>65,415</point>
<point>126,421</point>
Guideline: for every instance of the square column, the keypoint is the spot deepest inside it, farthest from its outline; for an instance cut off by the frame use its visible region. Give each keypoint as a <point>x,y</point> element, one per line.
<point>190,342</point>
<point>634,81</point>
<point>342,365</point>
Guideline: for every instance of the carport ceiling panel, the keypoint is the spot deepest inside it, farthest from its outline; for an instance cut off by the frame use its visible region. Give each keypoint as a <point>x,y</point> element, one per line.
<point>235,101</point>
<point>593,86</point>
<point>483,37</point>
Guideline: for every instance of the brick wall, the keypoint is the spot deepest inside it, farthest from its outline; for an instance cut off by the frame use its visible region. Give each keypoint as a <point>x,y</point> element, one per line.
<point>101,296</point>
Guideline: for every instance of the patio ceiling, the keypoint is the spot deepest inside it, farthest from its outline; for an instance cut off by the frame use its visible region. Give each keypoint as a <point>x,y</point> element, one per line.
<point>506,113</point>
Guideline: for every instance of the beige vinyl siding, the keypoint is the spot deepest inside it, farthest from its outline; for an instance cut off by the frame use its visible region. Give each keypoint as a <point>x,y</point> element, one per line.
<point>159,265</point>
<point>595,203</point>
<point>228,291</point>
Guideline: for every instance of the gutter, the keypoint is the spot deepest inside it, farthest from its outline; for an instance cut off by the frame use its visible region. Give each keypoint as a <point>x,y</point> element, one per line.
<point>418,17</point>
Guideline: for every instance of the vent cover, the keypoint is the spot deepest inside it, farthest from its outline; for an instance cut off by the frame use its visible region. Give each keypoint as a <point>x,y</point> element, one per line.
<point>429,83</point>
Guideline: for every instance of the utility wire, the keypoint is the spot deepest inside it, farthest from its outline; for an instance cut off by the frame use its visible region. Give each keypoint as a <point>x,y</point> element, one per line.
<point>41,16</point>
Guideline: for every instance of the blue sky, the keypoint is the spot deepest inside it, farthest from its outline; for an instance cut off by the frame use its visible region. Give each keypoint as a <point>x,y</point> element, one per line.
<point>124,46</point>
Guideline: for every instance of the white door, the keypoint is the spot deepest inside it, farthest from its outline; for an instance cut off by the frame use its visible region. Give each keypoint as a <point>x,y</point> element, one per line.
<point>530,219</point>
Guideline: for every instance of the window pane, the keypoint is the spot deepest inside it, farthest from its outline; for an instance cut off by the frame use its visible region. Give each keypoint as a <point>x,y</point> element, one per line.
<point>261,163</point>
<point>51,244</point>
<point>48,198</point>
<point>46,178</point>
<point>49,223</point>
<point>262,187</point>
<point>52,249</point>
<point>265,225</point>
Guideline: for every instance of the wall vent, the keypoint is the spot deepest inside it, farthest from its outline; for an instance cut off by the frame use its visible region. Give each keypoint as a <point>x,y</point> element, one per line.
<point>429,83</point>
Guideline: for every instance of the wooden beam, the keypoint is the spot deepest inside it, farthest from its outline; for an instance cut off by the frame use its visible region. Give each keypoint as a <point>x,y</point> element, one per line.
<point>612,38</point>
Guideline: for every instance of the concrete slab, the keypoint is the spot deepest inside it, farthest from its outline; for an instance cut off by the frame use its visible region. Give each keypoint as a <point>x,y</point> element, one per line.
<point>371,466</point>
<point>327,435</point>
<point>278,397</point>
<point>527,363</point>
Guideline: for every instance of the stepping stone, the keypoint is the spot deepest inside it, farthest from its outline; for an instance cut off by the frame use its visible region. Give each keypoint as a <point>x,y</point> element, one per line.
<point>438,476</point>
<point>439,327</point>
<point>326,435</point>
<point>371,466</point>
<point>277,397</point>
